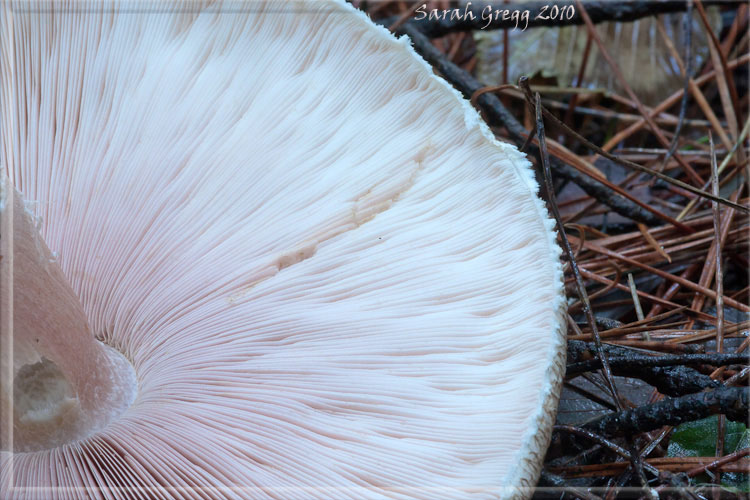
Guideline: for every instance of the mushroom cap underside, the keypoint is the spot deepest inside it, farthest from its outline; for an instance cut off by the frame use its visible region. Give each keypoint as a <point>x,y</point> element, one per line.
<point>331,280</point>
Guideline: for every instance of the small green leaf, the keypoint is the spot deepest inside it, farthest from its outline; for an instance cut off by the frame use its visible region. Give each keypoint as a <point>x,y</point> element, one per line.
<point>698,439</point>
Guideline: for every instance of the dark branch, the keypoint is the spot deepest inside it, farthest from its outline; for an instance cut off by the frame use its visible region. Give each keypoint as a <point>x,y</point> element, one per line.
<point>729,401</point>
<point>669,380</point>
<point>713,359</point>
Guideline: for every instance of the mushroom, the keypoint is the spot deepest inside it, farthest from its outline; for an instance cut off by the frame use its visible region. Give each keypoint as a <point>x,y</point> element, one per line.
<point>309,268</point>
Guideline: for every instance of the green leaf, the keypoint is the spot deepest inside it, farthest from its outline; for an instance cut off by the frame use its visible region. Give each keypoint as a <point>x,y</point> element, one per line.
<point>698,439</point>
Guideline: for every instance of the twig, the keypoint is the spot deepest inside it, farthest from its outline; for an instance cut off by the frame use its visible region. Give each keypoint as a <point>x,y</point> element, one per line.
<point>709,334</point>
<point>404,17</point>
<point>654,244</point>
<point>657,346</point>
<point>717,231</point>
<point>733,457</point>
<point>636,303</point>
<point>593,437</point>
<point>727,91</point>
<point>641,109</point>
<point>602,441</point>
<point>687,29</point>
<point>675,464</point>
<point>715,464</point>
<point>666,104</point>
<point>730,401</point>
<point>569,252</point>
<point>590,396</point>
<point>719,288</point>
<point>524,85</point>
<point>685,283</point>
<point>724,163</point>
<point>668,377</point>
<point>737,378</point>
<point>573,103</point>
<point>626,330</point>
<point>648,296</point>
<point>713,359</point>
<point>673,289</point>
<point>558,487</point>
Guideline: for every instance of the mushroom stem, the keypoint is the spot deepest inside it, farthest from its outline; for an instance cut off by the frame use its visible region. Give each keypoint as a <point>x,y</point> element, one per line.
<point>61,382</point>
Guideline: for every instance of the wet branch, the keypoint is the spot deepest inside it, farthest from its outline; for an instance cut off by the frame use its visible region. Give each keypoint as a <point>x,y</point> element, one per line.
<point>666,373</point>
<point>581,358</point>
<point>729,401</point>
